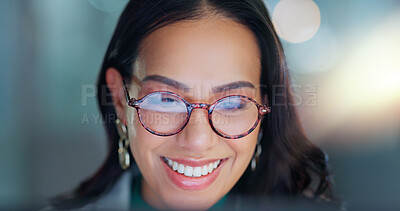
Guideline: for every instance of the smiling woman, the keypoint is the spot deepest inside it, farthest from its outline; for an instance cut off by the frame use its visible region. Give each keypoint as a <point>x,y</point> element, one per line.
<point>190,83</point>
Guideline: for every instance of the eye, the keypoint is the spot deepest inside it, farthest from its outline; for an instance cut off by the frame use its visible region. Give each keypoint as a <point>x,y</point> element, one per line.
<point>168,100</point>
<point>164,102</point>
<point>233,104</point>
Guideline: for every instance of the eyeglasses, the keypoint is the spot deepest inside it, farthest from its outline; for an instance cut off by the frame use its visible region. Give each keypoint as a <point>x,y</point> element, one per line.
<point>165,113</point>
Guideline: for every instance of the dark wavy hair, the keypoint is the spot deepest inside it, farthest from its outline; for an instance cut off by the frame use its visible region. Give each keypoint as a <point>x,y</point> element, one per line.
<point>289,165</point>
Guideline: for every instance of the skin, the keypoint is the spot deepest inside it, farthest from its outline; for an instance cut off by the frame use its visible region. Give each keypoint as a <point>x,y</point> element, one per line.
<point>201,54</point>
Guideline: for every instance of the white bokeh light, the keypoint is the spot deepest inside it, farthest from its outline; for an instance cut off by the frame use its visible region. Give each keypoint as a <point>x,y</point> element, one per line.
<point>296,21</point>
<point>362,94</point>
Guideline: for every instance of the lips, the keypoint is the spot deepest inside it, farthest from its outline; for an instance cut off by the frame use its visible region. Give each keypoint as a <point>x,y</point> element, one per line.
<point>192,171</point>
<point>191,174</point>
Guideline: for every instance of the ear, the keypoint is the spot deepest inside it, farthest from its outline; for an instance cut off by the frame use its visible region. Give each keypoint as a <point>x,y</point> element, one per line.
<point>115,85</point>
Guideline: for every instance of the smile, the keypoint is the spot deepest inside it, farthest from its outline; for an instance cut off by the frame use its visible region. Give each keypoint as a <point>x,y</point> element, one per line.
<point>190,174</point>
<point>192,171</point>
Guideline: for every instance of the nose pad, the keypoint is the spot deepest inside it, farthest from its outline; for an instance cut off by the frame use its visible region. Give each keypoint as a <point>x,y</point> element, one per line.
<point>197,135</point>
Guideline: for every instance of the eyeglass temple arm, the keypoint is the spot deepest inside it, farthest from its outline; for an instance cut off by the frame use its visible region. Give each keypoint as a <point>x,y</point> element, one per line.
<point>128,98</point>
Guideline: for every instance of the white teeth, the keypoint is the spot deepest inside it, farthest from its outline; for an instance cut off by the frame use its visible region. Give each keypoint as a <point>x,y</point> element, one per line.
<point>204,170</point>
<point>190,171</point>
<point>174,166</point>
<point>210,167</point>
<point>197,171</point>
<point>181,168</point>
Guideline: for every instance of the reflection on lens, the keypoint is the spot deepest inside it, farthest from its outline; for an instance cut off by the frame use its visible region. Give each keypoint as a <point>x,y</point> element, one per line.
<point>234,115</point>
<point>163,112</point>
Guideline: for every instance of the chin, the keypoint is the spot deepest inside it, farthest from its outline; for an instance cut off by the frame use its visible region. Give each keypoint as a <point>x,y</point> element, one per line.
<point>188,202</point>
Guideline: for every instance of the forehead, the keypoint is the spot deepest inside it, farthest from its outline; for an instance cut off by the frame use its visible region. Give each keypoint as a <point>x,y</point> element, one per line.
<point>202,53</point>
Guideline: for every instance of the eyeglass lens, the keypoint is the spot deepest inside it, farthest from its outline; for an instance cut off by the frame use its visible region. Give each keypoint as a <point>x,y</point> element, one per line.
<point>234,115</point>
<point>165,113</point>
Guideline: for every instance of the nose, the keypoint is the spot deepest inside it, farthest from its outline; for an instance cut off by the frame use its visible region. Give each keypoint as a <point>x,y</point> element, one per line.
<point>197,136</point>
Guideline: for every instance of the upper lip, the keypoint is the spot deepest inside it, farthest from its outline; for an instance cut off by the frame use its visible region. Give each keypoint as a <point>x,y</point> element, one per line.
<point>193,162</point>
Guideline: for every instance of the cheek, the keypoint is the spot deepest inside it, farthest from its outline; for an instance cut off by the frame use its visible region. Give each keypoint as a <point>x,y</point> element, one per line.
<point>142,144</point>
<point>244,150</point>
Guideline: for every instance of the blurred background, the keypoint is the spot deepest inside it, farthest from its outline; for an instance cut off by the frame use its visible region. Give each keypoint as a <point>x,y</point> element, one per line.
<point>344,57</point>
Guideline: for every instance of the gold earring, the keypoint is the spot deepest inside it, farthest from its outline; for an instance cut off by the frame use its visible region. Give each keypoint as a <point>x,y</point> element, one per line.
<point>123,144</point>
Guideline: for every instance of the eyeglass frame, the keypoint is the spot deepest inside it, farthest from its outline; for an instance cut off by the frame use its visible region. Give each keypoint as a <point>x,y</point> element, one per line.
<point>135,103</point>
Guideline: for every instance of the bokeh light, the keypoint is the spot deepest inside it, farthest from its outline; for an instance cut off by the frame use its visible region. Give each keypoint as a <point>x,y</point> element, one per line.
<point>296,21</point>
<point>363,93</point>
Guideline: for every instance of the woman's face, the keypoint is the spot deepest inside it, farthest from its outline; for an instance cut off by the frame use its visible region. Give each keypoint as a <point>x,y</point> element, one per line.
<point>199,60</point>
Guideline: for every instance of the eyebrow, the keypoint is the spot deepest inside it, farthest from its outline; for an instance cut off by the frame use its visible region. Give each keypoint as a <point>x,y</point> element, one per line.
<point>178,85</point>
<point>233,85</point>
<point>167,81</point>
